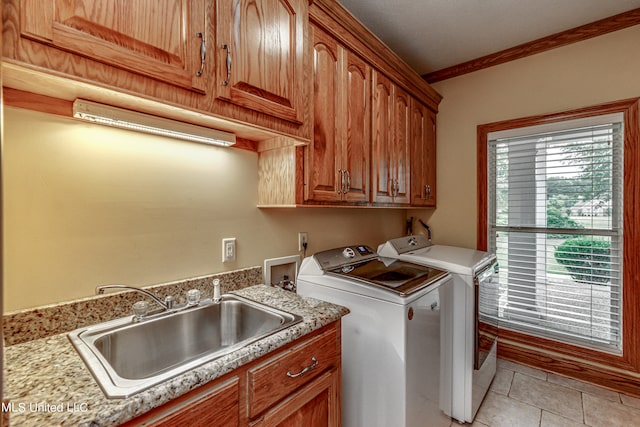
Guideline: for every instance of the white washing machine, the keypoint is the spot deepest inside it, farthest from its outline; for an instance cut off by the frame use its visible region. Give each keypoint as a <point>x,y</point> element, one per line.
<point>475,314</point>
<point>396,340</point>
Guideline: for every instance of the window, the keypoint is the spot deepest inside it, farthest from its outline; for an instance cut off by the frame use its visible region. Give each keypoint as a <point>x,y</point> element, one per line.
<point>595,231</point>
<point>555,197</point>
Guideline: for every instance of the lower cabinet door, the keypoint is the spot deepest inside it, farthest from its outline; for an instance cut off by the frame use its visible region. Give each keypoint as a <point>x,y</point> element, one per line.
<point>214,406</point>
<point>315,405</point>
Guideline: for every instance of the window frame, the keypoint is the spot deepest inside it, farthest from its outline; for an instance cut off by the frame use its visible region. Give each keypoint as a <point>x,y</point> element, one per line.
<point>536,350</point>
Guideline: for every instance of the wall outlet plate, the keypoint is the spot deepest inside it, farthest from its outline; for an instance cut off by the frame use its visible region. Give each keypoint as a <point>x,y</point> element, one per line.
<point>229,249</point>
<point>303,239</point>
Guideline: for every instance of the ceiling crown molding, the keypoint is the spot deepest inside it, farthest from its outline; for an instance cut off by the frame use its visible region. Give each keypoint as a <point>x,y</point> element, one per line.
<point>574,35</point>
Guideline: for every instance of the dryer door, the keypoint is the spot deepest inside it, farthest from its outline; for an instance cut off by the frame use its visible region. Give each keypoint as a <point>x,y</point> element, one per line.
<point>486,313</point>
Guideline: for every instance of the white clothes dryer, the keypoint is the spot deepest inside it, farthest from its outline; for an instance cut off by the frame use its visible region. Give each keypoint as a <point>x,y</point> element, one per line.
<point>475,314</point>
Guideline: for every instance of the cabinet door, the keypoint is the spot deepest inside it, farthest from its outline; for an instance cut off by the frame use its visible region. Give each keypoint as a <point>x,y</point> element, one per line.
<point>423,155</point>
<point>391,124</point>
<point>154,38</point>
<point>337,163</point>
<point>383,174</point>
<point>356,127</point>
<point>401,144</point>
<point>260,47</point>
<point>213,406</point>
<point>323,155</point>
<point>316,405</point>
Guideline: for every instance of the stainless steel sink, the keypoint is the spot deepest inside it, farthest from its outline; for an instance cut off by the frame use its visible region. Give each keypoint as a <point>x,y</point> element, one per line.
<point>127,357</point>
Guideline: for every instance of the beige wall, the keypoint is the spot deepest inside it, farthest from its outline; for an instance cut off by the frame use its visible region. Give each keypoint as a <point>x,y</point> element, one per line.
<point>591,72</point>
<point>88,205</point>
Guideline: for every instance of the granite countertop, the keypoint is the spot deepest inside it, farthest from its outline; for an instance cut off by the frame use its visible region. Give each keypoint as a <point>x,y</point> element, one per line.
<point>47,383</point>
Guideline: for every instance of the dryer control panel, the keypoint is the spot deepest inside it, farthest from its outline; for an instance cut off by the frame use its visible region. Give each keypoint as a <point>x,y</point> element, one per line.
<point>409,243</point>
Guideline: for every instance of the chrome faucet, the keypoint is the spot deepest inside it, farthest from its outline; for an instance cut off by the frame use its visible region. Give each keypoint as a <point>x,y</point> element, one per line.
<point>167,304</point>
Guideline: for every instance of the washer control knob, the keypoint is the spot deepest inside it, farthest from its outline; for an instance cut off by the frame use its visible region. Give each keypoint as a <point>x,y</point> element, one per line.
<point>348,253</point>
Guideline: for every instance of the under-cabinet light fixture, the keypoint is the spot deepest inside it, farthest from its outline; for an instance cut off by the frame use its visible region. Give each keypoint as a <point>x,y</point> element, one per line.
<point>146,123</point>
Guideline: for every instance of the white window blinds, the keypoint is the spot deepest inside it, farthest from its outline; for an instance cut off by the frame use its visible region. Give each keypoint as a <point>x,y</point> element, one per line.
<point>555,223</point>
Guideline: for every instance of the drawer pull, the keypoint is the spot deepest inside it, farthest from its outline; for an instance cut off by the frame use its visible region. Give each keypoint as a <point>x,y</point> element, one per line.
<point>203,54</point>
<point>305,370</point>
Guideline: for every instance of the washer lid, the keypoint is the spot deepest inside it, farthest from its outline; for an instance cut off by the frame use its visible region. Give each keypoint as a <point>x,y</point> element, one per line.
<point>400,277</point>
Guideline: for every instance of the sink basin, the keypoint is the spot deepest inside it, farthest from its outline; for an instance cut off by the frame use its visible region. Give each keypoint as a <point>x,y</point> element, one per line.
<point>127,357</point>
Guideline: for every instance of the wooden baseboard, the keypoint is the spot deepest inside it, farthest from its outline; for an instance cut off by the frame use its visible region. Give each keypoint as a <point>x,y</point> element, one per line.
<point>617,380</point>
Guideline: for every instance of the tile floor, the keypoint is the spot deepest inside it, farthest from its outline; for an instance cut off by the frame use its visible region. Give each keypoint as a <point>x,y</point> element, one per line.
<point>521,397</point>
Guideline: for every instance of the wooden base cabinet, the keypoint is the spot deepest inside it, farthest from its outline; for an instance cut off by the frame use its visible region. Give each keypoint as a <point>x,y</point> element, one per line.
<point>211,405</point>
<point>316,405</point>
<point>298,385</point>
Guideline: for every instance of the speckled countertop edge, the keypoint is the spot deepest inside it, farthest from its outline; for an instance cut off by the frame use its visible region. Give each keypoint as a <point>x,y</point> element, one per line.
<point>48,384</point>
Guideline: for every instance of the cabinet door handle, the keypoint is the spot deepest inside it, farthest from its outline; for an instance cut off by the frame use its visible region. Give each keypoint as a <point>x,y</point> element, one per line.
<point>427,191</point>
<point>348,184</point>
<point>341,178</point>
<point>228,49</point>
<point>203,54</point>
<point>314,363</point>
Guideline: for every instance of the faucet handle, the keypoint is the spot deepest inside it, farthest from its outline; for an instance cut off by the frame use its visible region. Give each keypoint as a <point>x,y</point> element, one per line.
<point>168,302</point>
<point>140,309</point>
<point>193,297</point>
<point>216,290</point>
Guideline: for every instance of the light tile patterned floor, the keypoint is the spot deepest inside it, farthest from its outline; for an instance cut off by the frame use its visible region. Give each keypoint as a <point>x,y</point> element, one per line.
<point>521,396</point>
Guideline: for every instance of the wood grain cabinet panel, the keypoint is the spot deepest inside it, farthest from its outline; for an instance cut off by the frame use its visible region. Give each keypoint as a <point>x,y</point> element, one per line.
<point>208,406</point>
<point>260,55</point>
<point>153,38</point>
<point>278,377</point>
<point>423,155</point>
<point>390,142</point>
<point>316,405</point>
<point>337,159</point>
<point>356,133</point>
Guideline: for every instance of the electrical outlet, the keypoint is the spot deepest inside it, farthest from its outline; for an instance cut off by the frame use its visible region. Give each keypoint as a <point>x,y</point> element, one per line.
<point>229,249</point>
<point>303,240</point>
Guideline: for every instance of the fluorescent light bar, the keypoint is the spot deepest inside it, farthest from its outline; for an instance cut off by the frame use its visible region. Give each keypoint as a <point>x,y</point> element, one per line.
<point>140,122</point>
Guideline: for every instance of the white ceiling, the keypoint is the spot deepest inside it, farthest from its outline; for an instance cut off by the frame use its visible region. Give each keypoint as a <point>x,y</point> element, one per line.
<point>434,34</point>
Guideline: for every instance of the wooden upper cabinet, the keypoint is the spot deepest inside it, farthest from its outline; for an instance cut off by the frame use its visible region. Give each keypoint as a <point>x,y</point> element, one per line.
<point>323,163</point>
<point>356,132</point>
<point>390,142</point>
<point>423,155</point>
<point>155,38</point>
<point>401,144</point>
<point>337,159</point>
<point>260,55</point>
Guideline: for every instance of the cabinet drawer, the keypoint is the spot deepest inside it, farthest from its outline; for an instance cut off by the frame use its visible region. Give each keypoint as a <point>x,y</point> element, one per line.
<point>276,378</point>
